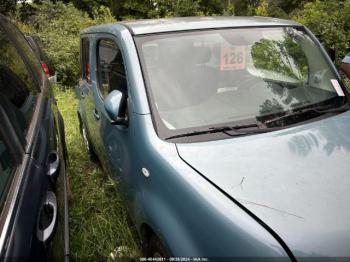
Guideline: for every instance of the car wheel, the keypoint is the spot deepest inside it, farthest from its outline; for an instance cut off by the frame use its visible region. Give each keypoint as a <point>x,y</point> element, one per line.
<point>156,248</point>
<point>91,152</point>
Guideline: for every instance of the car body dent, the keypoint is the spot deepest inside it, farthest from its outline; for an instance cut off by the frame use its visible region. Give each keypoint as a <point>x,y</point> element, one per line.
<point>295,180</point>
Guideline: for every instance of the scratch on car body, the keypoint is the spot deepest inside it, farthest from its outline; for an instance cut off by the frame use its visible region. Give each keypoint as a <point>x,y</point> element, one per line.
<point>263,205</point>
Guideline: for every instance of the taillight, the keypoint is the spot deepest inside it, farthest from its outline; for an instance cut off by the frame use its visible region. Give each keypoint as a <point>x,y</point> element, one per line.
<point>46,69</point>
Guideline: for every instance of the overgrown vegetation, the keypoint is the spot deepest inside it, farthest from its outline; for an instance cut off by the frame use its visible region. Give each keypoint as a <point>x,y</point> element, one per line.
<point>98,223</point>
<point>59,23</point>
<point>97,217</point>
<point>330,21</point>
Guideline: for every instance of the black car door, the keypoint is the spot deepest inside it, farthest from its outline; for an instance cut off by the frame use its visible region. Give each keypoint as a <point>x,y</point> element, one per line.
<point>28,147</point>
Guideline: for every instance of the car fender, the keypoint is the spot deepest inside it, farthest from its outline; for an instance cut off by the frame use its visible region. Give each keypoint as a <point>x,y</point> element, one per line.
<point>190,215</point>
<point>164,222</point>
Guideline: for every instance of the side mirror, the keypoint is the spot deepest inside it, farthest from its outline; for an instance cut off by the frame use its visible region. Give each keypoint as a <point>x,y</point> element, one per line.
<point>115,105</point>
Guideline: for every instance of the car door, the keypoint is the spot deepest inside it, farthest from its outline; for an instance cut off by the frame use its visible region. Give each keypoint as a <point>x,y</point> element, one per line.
<point>114,140</point>
<point>29,145</point>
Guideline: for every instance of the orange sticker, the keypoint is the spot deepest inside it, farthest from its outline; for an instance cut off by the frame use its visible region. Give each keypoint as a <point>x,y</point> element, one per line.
<point>232,58</point>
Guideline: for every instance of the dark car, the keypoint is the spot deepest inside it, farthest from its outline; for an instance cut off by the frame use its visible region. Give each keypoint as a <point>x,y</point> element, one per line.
<point>46,64</point>
<point>33,157</point>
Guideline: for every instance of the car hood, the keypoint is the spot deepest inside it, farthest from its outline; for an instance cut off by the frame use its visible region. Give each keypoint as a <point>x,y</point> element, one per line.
<point>296,180</point>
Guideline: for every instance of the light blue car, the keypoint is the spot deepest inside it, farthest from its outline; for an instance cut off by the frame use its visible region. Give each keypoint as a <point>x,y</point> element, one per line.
<point>230,135</point>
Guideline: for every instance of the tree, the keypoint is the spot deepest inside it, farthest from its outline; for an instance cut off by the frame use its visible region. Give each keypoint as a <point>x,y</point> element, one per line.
<point>89,5</point>
<point>58,25</point>
<point>330,21</point>
<point>7,6</point>
<point>279,8</point>
<point>245,7</point>
<point>186,8</point>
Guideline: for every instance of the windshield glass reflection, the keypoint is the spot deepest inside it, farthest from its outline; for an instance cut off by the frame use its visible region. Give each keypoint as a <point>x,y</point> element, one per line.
<point>206,78</point>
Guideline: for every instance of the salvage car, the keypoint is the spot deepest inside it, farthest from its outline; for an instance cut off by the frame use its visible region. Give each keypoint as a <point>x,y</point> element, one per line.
<point>33,157</point>
<point>229,135</point>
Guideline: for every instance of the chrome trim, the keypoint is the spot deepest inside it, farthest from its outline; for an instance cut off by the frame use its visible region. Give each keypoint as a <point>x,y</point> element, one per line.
<point>35,118</point>
<point>46,234</point>
<point>53,164</point>
<point>145,172</point>
<point>11,199</point>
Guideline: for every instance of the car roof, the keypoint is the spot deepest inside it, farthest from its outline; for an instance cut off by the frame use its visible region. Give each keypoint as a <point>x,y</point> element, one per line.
<point>150,26</point>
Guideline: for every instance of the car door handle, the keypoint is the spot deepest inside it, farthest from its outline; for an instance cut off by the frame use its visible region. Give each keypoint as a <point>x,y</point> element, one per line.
<point>84,91</point>
<point>96,115</point>
<point>48,212</point>
<point>53,165</point>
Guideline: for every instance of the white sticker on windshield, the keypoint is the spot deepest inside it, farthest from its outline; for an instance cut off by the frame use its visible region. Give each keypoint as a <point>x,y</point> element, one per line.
<point>337,87</point>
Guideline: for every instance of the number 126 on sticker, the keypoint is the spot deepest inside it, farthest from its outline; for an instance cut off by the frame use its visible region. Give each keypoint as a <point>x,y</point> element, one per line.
<point>232,58</point>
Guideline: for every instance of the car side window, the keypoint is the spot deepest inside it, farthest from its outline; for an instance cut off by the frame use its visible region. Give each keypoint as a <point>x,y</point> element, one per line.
<point>18,88</point>
<point>110,68</point>
<point>7,169</point>
<point>85,59</point>
<point>34,66</point>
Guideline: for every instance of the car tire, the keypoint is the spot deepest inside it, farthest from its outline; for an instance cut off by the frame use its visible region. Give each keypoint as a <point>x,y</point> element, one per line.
<point>87,143</point>
<point>156,248</point>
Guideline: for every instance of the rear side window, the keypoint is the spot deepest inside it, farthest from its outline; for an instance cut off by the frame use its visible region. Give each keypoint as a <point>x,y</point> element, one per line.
<point>18,38</point>
<point>85,59</point>
<point>7,170</point>
<point>18,87</point>
<point>110,67</point>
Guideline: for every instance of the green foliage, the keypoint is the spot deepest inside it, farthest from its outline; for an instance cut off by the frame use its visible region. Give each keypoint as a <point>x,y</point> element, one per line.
<point>129,9</point>
<point>281,56</point>
<point>262,9</point>
<point>139,9</point>
<point>278,8</point>
<point>215,7</point>
<point>186,8</point>
<point>330,21</point>
<point>89,5</point>
<point>7,6</point>
<point>59,25</point>
<point>245,7</point>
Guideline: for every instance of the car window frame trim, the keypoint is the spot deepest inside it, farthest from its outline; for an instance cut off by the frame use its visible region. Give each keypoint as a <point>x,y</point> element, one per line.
<point>21,159</point>
<point>107,36</point>
<point>8,211</point>
<point>82,62</point>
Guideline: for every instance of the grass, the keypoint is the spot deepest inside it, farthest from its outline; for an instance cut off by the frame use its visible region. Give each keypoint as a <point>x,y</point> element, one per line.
<point>97,216</point>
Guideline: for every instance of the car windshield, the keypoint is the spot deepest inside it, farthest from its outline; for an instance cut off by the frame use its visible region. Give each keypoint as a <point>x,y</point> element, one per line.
<point>216,77</point>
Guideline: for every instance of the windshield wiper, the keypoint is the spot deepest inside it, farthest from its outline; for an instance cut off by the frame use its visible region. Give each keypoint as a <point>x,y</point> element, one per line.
<point>235,130</point>
<point>318,110</point>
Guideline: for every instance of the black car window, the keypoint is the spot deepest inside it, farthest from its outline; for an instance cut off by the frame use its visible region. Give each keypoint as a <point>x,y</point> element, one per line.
<point>7,169</point>
<point>18,89</point>
<point>85,59</point>
<point>34,46</point>
<point>110,68</point>
<point>33,63</point>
